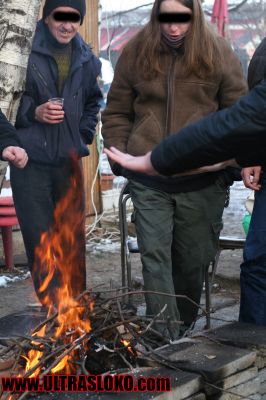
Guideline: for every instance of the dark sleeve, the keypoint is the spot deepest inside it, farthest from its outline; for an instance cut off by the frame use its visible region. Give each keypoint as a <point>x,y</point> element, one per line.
<point>91,108</point>
<point>8,136</point>
<point>257,65</point>
<point>226,134</point>
<point>255,76</point>
<point>251,158</point>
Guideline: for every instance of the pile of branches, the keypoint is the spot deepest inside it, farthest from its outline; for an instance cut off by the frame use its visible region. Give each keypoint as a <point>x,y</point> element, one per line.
<point>119,340</point>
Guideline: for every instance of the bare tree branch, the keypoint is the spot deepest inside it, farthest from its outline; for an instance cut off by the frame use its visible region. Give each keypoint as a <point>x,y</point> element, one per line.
<point>119,13</point>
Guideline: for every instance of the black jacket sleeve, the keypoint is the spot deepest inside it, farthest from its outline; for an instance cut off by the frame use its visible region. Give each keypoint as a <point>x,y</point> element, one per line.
<point>229,133</point>
<point>255,75</point>
<point>8,136</point>
<point>257,65</point>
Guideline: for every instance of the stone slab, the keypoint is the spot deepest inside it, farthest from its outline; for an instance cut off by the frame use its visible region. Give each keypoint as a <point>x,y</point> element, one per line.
<point>212,361</point>
<point>263,388</point>
<point>198,396</point>
<point>262,375</point>
<point>233,380</point>
<point>242,335</point>
<point>246,389</point>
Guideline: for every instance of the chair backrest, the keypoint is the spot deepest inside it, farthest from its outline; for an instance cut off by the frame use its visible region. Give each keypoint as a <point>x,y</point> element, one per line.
<point>122,205</point>
<point>125,247</point>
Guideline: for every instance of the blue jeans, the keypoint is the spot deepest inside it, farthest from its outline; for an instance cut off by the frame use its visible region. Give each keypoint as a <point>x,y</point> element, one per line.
<point>253,269</point>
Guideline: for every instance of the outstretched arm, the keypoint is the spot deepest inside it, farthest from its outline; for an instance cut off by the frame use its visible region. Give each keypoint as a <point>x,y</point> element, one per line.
<point>232,133</point>
<point>143,163</point>
<point>235,132</point>
<point>139,164</point>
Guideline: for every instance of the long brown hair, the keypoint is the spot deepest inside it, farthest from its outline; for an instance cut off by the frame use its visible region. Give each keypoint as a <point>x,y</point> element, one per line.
<point>201,50</point>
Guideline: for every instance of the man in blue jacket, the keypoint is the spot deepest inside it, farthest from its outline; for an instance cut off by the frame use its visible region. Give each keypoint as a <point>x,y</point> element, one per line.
<point>61,65</point>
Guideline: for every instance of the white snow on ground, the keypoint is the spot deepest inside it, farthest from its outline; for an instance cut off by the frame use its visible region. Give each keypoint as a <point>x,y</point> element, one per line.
<point>5,280</point>
<point>104,246</point>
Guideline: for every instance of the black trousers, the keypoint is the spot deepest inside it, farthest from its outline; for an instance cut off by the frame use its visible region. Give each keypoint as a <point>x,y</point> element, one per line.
<point>37,190</point>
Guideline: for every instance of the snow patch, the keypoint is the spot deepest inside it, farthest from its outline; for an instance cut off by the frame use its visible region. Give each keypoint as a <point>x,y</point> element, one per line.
<point>5,280</point>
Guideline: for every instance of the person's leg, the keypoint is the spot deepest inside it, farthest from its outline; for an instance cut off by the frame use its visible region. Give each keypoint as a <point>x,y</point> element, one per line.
<point>31,187</point>
<point>68,185</point>
<point>37,190</point>
<point>154,227</point>
<point>198,222</point>
<point>253,269</point>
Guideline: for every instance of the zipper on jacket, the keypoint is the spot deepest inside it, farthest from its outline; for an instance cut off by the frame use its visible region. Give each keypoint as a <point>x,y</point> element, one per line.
<point>170,94</point>
<point>36,70</point>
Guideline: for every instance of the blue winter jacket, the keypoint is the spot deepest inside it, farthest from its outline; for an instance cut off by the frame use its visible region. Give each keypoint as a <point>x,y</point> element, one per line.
<point>47,143</point>
<point>235,132</point>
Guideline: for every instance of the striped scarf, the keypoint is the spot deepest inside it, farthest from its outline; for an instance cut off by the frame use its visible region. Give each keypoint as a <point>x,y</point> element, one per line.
<point>173,43</point>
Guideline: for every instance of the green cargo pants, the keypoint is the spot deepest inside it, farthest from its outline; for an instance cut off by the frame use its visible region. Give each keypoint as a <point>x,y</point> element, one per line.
<point>178,237</point>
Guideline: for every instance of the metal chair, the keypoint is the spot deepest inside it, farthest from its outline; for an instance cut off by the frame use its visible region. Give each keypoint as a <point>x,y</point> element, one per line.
<point>130,246</point>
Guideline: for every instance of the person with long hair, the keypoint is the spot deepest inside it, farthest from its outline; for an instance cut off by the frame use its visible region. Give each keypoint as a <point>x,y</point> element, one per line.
<point>172,73</point>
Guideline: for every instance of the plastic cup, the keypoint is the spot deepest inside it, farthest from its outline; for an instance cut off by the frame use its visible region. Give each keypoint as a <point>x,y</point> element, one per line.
<point>57,100</point>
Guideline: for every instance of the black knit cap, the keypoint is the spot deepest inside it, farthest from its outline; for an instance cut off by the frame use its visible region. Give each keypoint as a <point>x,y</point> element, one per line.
<point>79,5</point>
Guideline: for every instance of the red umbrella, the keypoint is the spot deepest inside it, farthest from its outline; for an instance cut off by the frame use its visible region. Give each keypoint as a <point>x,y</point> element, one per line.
<point>220,15</point>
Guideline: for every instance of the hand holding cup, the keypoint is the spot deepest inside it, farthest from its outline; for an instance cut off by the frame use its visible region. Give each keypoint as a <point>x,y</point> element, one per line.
<point>51,112</point>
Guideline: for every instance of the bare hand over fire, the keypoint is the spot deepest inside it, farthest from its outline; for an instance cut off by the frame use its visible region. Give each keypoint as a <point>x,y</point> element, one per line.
<point>135,163</point>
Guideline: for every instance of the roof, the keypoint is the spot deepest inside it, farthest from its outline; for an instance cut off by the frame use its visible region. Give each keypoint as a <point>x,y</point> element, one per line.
<point>118,37</point>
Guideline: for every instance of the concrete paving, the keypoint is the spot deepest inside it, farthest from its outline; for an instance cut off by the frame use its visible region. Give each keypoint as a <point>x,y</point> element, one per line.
<point>106,268</point>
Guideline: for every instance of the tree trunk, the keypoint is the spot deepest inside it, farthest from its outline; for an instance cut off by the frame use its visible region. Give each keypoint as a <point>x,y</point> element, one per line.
<point>90,33</point>
<point>17,25</point>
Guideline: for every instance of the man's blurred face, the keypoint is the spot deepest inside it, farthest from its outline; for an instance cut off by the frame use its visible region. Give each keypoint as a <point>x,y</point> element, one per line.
<point>63,23</point>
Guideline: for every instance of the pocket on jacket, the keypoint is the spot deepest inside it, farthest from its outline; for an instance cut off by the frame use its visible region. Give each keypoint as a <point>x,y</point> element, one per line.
<point>34,141</point>
<point>145,135</point>
<point>41,145</point>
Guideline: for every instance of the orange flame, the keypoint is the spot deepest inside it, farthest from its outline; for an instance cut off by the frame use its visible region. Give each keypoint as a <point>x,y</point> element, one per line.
<point>34,355</point>
<point>60,262</point>
<point>126,343</point>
